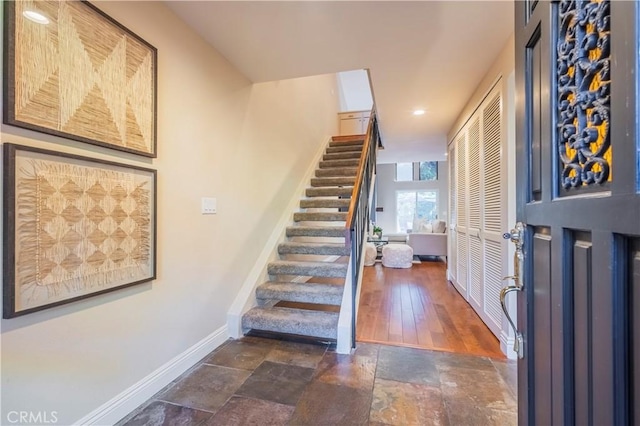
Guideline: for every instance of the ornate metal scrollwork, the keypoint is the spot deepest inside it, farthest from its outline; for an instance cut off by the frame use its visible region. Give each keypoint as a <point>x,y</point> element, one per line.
<point>583,50</point>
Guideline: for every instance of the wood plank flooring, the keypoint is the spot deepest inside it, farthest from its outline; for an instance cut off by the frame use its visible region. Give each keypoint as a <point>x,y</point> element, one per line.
<point>418,307</point>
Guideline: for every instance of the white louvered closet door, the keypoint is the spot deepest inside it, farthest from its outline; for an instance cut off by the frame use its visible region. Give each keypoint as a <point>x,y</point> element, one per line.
<point>452,247</point>
<point>495,207</point>
<point>461,212</point>
<point>474,163</point>
<point>478,197</point>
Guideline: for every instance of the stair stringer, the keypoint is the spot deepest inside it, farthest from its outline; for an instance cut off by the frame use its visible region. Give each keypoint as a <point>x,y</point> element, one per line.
<point>246,298</point>
<point>345,331</point>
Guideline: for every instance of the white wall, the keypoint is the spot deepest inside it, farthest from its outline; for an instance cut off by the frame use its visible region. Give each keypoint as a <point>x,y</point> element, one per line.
<point>355,91</point>
<point>218,135</point>
<point>386,193</point>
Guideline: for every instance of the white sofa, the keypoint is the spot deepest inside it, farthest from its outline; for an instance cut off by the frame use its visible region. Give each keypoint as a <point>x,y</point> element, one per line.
<point>428,238</point>
<point>428,244</point>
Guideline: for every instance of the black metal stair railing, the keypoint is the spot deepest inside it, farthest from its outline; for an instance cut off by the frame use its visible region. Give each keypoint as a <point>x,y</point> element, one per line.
<point>358,216</point>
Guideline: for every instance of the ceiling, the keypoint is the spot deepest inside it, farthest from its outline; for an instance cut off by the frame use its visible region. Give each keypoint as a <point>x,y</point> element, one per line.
<point>421,54</point>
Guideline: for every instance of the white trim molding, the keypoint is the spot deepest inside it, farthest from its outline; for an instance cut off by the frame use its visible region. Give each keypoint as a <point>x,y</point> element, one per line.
<point>128,400</point>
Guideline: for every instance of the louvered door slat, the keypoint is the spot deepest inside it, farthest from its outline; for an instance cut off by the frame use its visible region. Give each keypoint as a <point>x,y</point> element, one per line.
<point>473,144</point>
<point>491,135</point>
<point>461,210</point>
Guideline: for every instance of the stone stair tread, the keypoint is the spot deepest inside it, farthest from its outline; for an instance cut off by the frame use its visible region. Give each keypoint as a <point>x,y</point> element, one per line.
<point>333,181</point>
<point>318,202</point>
<point>310,269</point>
<point>329,191</point>
<point>320,216</point>
<point>292,321</point>
<point>337,172</point>
<point>327,249</point>
<point>307,292</point>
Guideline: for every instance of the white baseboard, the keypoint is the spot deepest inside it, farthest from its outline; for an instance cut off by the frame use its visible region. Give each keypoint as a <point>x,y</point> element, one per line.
<point>124,403</point>
<point>506,345</point>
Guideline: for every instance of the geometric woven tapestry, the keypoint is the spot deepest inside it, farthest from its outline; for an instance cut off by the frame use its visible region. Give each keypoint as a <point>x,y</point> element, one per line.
<point>80,227</point>
<point>81,76</point>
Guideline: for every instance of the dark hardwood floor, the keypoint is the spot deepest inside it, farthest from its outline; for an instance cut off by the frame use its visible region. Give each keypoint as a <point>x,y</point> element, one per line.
<point>418,307</point>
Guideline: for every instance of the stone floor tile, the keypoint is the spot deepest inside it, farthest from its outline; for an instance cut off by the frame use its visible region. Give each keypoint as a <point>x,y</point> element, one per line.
<point>160,413</point>
<point>466,414</point>
<point>348,370</point>
<point>207,388</point>
<point>476,388</point>
<point>326,404</point>
<point>407,365</point>
<point>277,382</point>
<point>242,411</point>
<point>397,403</point>
<point>300,354</point>
<point>508,370</point>
<point>246,353</point>
<point>367,349</point>
<point>446,360</point>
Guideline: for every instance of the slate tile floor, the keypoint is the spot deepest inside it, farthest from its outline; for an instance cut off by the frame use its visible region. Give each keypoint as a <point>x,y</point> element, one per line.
<point>257,381</point>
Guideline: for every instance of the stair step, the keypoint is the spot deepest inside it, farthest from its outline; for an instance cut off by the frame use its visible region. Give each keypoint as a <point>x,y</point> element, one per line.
<point>353,155</point>
<point>330,192</point>
<point>292,321</point>
<point>327,249</point>
<point>323,216</point>
<point>308,269</point>
<point>333,181</point>
<point>346,148</point>
<point>315,231</point>
<point>357,141</point>
<point>325,203</point>
<point>308,292</point>
<point>337,171</point>
<point>338,163</point>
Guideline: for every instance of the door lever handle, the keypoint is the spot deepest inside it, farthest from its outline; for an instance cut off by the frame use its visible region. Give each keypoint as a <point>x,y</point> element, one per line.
<point>518,344</point>
<point>516,236</point>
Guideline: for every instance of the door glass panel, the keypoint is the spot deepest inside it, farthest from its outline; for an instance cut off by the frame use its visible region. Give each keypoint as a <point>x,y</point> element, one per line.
<point>583,79</point>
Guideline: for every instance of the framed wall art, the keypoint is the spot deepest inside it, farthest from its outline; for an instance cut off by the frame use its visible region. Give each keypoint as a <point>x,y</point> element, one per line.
<point>74,227</point>
<point>72,71</point>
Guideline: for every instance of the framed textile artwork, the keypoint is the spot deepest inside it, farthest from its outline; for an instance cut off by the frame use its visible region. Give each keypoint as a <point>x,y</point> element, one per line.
<point>72,71</point>
<point>74,227</point>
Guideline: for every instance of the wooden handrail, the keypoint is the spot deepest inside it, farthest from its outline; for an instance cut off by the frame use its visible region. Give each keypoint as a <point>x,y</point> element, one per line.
<point>359,176</point>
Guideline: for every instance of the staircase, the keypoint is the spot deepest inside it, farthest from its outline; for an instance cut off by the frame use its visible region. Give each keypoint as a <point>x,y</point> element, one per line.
<point>304,293</point>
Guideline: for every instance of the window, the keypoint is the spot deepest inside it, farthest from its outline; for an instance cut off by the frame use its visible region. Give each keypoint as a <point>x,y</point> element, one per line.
<point>428,170</point>
<point>404,172</point>
<point>423,170</point>
<point>415,204</point>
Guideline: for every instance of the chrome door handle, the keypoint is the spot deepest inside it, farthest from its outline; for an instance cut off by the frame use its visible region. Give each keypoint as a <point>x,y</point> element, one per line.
<point>518,344</point>
<point>516,235</point>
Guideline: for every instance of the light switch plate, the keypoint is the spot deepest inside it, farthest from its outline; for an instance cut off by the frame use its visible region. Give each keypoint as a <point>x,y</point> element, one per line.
<point>209,205</point>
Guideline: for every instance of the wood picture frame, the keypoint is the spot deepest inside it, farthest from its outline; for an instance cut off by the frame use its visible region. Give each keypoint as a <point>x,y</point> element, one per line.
<point>72,71</point>
<point>74,227</point>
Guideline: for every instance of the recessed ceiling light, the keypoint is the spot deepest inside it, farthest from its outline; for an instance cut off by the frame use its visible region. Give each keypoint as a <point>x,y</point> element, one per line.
<point>36,17</point>
<point>418,112</point>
